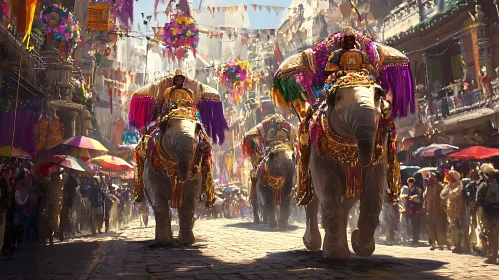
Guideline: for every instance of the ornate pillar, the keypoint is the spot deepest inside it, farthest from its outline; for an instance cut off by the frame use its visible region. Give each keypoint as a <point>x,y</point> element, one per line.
<point>68,119</point>
<point>484,44</point>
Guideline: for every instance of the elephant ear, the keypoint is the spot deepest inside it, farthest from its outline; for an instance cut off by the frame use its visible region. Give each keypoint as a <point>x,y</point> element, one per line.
<point>163,124</point>
<point>271,156</point>
<point>331,97</point>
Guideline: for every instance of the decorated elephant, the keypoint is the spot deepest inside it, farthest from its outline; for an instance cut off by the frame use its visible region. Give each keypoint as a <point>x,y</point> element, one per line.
<point>346,144</point>
<point>273,175</point>
<point>176,171</point>
<point>274,185</point>
<point>174,160</point>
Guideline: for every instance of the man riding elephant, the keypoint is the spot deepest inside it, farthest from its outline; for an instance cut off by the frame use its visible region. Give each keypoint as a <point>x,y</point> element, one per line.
<point>178,96</point>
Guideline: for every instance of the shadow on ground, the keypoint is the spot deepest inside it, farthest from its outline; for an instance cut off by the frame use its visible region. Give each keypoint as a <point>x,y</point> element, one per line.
<point>260,227</point>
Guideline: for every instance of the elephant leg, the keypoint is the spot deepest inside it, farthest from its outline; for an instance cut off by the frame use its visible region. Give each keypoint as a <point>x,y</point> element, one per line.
<point>312,238</point>
<point>284,211</point>
<point>256,217</point>
<point>159,202</point>
<point>370,207</point>
<point>269,207</point>
<point>264,213</point>
<point>186,217</point>
<point>163,227</point>
<point>334,223</point>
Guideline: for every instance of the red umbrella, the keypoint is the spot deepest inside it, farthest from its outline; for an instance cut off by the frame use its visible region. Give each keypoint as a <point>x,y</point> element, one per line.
<point>112,163</point>
<point>475,153</point>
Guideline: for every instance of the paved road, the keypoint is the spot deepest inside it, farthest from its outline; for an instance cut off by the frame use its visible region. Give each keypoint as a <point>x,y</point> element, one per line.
<point>230,249</point>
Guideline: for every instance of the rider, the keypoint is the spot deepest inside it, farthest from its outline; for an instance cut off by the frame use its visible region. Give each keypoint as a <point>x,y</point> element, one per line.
<point>348,58</point>
<point>177,96</point>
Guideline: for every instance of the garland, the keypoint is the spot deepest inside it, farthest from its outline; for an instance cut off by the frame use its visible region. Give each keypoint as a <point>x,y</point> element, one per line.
<point>60,23</point>
<point>181,35</point>
<point>238,77</point>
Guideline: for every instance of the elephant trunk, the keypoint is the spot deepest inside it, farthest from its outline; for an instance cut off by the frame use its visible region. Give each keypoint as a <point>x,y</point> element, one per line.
<point>185,151</point>
<point>364,128</point>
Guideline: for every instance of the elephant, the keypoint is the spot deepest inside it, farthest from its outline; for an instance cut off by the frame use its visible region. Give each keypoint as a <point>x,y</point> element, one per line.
<point>353,113</point>
<point>179,139</point>
<point>280,162</point>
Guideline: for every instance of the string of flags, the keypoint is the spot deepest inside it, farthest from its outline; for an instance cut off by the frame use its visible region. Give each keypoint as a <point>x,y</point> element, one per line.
<point>219,9</point>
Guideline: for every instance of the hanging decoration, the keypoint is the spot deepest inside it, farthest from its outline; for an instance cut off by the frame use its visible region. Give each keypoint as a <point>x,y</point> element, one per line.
<point>61,29</point>
<point>237,76</point>
<point>181,35</point>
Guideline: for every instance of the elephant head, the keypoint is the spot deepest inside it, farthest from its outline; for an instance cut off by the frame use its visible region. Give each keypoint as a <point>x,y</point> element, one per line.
<point>180,138</point>
<point>354,113</point>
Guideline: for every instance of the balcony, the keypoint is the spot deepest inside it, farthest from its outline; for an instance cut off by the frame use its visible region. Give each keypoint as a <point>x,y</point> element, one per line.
<point>413,16</point>
<point>460,104</point>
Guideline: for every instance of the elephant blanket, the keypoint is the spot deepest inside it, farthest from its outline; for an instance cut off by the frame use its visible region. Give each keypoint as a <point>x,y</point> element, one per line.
<point>331,145</point>
<point>268,177</point>
<point>149,146</point>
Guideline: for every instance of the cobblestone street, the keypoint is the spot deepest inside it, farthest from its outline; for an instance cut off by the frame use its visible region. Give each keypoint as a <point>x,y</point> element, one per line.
<point>230,249</point>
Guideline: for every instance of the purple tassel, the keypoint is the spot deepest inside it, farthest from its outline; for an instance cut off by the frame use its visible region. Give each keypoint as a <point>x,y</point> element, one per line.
<point>398,79</point>
<point>212,116</point>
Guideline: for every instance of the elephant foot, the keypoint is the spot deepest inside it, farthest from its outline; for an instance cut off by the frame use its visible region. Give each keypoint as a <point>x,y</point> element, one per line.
<point>312,239</point>
<point>272,224</point>
<point>334,249</point>
<point>360,248</point>
<point>282,224</point>
<point>186,238</point>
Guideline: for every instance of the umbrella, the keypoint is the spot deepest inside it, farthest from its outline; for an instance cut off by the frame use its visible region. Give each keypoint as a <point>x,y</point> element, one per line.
<point>8,151</point>
<point>435,150</point>
<point>80,146</point>
<point>426,170</point>
<point>475,153</point>
<point>112,163</point>
<point>61,160</point>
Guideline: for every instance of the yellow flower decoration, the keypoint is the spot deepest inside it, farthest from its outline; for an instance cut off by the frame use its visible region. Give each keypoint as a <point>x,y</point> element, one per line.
<point>188,33</point>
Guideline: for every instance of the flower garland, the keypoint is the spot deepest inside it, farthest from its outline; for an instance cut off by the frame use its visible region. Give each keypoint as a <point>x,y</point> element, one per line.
<point>180,36</point>
<point>238,77</point>
<point>61,23</point>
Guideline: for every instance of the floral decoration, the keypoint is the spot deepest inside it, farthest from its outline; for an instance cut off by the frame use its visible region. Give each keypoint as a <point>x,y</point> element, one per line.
<point>180,36</point>
<point>237,76</point>
<point>59,22</point>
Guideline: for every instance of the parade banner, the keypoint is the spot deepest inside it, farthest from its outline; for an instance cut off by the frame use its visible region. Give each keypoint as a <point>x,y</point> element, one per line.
<point>98,17</point>
<point>476,53</point>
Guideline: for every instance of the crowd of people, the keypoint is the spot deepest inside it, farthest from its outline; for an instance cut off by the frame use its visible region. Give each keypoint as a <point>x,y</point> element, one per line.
<point>453,210</point>
<point>60,204</point>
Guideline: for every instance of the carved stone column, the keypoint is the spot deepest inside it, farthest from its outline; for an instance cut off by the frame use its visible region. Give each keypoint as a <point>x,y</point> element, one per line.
<point>484,43</point>
<point>68,119</point>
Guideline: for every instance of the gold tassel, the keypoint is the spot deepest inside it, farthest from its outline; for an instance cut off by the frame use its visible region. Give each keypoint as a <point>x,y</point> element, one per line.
<point>177,193</point>
<point>393,175</point>
<point>353,172</point>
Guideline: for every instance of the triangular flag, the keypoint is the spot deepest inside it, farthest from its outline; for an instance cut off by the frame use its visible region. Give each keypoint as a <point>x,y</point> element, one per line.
<point>218,9</point>
<point>276,9</point>
<point>260,7</point>
<point>209,9</point>
<point>254,6</point>
<point>245,7</point>
<point>224,9</point>
<point>268,9</point>
<point>236,7</point>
